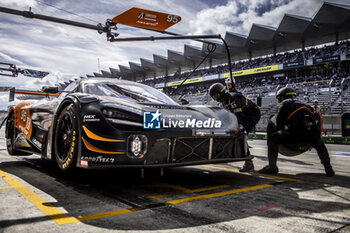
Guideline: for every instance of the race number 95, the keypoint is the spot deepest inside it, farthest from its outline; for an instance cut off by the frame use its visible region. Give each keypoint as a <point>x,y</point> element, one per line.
<point>173,18</point>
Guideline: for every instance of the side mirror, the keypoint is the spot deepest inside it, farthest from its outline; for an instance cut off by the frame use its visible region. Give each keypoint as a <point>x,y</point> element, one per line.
<point>50,90</point>
<point>184,101</point>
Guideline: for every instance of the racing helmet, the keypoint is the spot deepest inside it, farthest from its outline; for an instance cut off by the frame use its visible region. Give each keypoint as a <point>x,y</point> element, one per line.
<point>228,80</point>
<point>285,93</point>
<point>216,91</point>
<point>229,85</point>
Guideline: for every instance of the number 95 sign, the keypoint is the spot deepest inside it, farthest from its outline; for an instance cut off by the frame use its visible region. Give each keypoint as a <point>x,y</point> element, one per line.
<point>142,18</point>
<point>173,18</point>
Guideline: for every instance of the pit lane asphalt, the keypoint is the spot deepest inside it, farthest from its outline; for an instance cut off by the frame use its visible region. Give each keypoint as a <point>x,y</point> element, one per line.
<point>36,197</point>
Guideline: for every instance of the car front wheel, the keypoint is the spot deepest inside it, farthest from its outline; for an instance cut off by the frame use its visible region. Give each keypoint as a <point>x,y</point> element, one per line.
<point>66,139</point>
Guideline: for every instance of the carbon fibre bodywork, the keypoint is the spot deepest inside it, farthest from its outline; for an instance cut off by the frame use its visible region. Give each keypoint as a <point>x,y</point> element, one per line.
<point>105,141</point>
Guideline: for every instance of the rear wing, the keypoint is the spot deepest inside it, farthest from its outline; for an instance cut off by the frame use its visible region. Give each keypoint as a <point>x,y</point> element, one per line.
<point>28,94</point>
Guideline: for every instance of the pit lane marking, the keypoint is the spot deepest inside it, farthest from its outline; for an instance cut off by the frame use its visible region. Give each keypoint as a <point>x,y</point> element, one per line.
<point>183,190</point>
<point>172,202</point>
<point>62,219</point>
<point>200,197</point>
<point>55,214</point>
<point>252,173</point>
<point>268,207</point>
<point>6,187</point>
<point>313,151</point>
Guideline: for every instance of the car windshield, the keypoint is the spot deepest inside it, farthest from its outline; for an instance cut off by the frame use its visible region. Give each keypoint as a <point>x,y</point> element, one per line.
<point>133,91</point>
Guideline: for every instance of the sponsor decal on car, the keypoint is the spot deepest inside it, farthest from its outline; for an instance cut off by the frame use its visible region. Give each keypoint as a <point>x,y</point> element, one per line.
<point>23,115</point>
<point>84,163</point>
<point>97,159</point>
<point>36,143</point>
<point>23,130</point>
<point>153,120</point>
<point>22,118</point>
<point>192,123</point>
<point>90,118</point>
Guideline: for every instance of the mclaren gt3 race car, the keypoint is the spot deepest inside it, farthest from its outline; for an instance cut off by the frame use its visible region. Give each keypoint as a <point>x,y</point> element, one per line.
<point>108,123</point>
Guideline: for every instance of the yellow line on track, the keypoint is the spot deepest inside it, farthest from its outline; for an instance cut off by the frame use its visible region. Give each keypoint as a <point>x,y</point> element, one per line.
<point>6,187</point>
<point>185,190</point>
<point>219,194</point>
<point>61,218</point>
<point>173,202</point>
<point>55,214</point>
<point>251,173</point>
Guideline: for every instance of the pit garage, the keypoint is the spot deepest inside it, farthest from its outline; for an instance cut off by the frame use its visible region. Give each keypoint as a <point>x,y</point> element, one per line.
<point>35,196</point>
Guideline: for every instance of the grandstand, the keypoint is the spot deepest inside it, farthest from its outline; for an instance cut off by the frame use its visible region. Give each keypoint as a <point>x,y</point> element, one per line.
<point>310,54</point>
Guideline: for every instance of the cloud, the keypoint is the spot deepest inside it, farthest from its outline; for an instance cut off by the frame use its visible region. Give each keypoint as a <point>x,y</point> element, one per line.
<point>19,3</point>
<point>239,15</point>
<point>50,46</point>
<point>27,83</point>
<point>67,52</point>
<point>4,101</point>
<point>7,59</point>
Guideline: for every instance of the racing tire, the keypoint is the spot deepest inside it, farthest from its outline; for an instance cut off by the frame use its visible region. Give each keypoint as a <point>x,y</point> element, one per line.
<point>11,134</point>
<point>286,149</point>
<point>293,149</point>
<point>66,140</point>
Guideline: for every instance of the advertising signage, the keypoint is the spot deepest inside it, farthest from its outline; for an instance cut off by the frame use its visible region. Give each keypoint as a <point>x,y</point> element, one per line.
<point>321,60</point>
<point>252,71</point>
<point>293,64</point>
<point>188,81</point>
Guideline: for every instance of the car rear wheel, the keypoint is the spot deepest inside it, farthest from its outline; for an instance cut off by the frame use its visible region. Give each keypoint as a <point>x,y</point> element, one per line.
<point>11,134</point>
<point>66,139</point>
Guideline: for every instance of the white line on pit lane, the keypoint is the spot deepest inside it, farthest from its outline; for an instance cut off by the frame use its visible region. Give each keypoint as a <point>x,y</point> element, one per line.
<point>313,151</point>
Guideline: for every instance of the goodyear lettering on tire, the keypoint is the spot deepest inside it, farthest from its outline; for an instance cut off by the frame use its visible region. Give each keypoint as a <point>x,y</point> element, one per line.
<point>70,157</point>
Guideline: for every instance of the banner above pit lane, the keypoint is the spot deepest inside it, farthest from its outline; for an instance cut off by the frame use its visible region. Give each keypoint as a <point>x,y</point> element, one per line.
<point>252,71</point>
<point>188,81</point>
<point>147,19</point>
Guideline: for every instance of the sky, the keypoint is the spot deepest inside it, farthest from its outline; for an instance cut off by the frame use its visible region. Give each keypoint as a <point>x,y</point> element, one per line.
<point>68,52</point>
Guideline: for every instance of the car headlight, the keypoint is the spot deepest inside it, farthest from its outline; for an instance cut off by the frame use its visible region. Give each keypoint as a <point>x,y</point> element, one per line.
<point>137,146</point>
<point>119,114</point>
<point>107,113</point>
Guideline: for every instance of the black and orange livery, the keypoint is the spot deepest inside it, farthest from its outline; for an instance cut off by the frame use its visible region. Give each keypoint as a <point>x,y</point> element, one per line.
<point>98,123</point>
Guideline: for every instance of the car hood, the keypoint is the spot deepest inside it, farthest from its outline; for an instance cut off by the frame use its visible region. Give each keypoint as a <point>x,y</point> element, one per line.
<point>200,117</point>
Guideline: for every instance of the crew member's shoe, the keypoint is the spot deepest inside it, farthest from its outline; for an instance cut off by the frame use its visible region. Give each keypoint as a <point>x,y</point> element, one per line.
<point>248,166</point>
<point>269,170</point>
<point>329,170</point>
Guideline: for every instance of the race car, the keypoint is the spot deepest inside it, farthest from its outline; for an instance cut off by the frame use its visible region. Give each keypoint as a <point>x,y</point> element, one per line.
<point>111,123</point>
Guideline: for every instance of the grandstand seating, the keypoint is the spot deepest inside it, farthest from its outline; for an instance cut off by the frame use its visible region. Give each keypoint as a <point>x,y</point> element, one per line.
<point>287,57</point>
<point>330,102</point>
<point>310,86</point>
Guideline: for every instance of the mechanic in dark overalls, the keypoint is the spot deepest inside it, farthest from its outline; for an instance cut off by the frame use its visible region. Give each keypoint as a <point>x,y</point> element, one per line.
<point>295,124</point>
<point>247,112</point>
